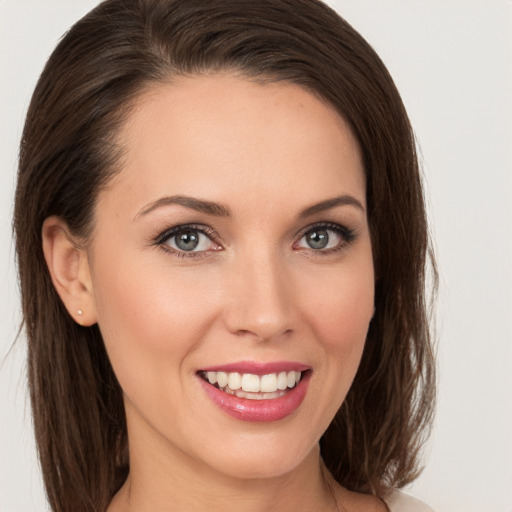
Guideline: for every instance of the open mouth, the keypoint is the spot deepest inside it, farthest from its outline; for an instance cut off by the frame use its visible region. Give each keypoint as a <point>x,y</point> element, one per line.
<point>252,386</point>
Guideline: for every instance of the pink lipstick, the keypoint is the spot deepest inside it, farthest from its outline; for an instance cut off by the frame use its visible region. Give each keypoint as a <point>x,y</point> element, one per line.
<point>256,392</point>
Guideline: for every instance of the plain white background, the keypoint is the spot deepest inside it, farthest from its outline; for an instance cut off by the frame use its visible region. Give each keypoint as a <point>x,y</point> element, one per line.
<point>452,62</point>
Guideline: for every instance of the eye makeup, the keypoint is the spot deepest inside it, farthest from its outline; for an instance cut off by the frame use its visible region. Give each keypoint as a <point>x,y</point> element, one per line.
<point>189,241</point>
<point>319,238</point>
<point>198,240</point>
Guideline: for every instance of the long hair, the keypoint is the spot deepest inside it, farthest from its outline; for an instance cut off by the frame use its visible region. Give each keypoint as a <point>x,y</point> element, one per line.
<point>68,154</point>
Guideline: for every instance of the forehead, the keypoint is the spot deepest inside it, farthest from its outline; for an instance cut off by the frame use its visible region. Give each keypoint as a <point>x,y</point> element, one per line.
<point>221,136</point>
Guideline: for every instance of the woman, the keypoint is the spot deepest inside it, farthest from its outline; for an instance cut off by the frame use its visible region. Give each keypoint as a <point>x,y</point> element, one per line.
<point>222,246</point>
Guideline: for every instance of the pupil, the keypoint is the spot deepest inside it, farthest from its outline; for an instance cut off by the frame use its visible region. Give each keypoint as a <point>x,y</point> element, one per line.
<point>187,240</point>
<point>318,239</point>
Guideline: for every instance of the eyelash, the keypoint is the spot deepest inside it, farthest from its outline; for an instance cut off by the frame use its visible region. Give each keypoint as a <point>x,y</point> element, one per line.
<point>168,234</point>
<point>347,237</point>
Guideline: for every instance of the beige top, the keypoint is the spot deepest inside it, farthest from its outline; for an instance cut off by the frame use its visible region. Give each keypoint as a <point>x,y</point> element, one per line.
<point>401,502</point>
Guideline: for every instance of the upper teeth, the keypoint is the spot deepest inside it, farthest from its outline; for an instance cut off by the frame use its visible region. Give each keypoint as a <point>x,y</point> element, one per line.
<point>254,383</point>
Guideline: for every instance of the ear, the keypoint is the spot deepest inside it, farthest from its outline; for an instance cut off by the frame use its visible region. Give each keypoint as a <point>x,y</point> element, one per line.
<point>69,269</point>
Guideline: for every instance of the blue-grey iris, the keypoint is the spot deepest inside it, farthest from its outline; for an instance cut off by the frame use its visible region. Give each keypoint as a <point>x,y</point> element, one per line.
<point>318,238</point>
<point>187,240</point>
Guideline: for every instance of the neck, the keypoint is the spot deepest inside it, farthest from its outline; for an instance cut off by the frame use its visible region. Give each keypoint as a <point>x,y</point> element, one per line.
<point>157,484</point>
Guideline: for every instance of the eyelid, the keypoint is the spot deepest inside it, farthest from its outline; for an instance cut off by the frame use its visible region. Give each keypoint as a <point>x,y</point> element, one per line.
<point>348,235</point>
<point>207,231</point>
<point>326,225</point>
<point>168,233</point>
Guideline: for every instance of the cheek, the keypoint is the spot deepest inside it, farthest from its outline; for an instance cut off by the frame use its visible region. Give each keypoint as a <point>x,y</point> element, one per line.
<point>146,298</point>
<point>150,319</point>
<point>337,306</point>
<point>340,306</point>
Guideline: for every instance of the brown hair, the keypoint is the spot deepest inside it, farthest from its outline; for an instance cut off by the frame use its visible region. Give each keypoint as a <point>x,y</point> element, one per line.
<point>68,153</point>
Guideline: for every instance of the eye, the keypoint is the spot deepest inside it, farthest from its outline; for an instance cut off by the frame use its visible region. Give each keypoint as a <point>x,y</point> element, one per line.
<point>188,239</point>
<point>321,238</point>
<point>325,238</point>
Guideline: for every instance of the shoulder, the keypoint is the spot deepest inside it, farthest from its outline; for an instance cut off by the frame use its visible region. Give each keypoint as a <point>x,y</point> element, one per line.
<point>398,501</point>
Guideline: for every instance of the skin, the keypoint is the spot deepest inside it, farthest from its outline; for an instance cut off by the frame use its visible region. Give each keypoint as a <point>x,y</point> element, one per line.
<point>254,291</point>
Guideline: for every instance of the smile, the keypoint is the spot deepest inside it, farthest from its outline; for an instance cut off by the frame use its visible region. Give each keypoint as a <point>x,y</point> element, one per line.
<point>254,392</point>
<point>252,386</point>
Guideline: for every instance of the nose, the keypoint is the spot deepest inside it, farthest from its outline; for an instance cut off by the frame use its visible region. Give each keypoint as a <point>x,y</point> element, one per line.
<point>260,304</point>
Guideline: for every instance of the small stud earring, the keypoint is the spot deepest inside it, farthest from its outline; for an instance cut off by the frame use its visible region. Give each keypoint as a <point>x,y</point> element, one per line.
<point>80,312</point>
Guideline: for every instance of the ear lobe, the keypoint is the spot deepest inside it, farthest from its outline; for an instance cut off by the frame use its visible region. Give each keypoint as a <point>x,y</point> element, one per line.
<point>69,269</point>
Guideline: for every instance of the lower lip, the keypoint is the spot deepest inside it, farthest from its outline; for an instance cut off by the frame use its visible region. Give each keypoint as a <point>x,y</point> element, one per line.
<point>258,410</point>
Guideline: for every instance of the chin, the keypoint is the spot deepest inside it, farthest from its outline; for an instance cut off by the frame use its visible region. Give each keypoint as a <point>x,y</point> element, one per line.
<point>262,458</point>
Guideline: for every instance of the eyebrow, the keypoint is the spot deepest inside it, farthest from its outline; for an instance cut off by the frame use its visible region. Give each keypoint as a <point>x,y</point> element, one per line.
<point>193,203</point>
<point>344,200</point>
<point>220,210</point>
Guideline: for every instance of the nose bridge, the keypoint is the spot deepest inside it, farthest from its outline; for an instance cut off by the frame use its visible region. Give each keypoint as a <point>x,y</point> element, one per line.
<point>261,303</point>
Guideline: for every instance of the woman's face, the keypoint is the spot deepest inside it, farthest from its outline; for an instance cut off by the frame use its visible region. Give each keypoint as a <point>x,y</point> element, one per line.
<point>233,246</point>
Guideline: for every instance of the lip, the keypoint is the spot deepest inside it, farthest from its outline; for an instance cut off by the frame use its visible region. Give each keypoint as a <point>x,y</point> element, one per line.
<point>257,410</point>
